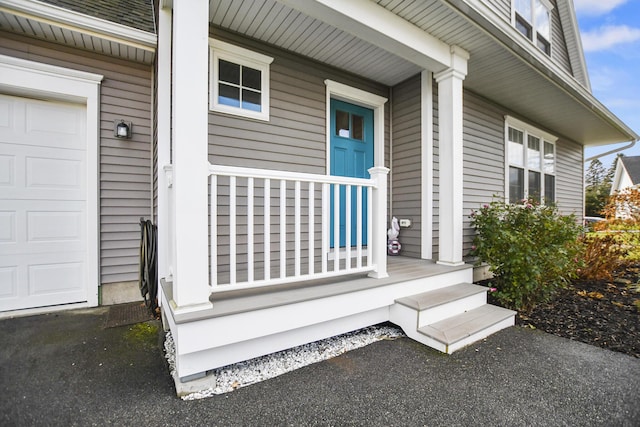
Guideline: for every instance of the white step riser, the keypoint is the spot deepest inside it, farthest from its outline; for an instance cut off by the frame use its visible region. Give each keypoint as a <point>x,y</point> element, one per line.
<point>481,334</point>
<point>452,308</point>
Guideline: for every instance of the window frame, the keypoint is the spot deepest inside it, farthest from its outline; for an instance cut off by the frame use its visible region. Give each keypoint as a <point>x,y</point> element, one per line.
<point>534,37</point>
<point>219,50</point>
<point>544,138</point>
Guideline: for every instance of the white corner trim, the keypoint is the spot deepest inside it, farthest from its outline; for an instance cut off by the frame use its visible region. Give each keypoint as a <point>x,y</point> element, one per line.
<point>57,83</point>
<point>426,162</point>
<point>75,21</point>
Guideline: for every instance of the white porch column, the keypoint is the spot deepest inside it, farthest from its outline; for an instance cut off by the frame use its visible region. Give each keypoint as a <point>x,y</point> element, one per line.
<point>451,163</point>
<point>379,225</point>
<point>190,162</point>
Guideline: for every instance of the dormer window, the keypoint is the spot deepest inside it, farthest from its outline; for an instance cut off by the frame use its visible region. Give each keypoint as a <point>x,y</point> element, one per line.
<point>532,19</point>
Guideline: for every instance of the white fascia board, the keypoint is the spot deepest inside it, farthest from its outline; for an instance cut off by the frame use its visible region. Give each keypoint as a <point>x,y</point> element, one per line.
<point>368,21</point>
<point>75,21</point>
<point>503,32</point>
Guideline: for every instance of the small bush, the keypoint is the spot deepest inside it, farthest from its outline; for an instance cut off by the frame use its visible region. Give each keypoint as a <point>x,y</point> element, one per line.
<point>531,250</point>
<point>602,254</point>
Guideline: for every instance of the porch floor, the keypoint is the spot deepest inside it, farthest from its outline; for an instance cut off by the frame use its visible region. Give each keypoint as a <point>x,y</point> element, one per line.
<point>399,268</point>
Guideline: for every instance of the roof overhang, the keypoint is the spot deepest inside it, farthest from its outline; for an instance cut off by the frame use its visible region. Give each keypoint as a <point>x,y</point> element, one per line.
<point>60,25</point>
<point>390,41</point>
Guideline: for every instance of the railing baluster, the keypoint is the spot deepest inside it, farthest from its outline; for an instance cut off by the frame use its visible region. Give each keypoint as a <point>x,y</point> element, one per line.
<point>267,229</point>
<point>283,228</point>
<point>327,188</point>
<point>213,232</point>
<point>296,233</point>
<point>311,228</point>
<point>369,227</point>
<point>250,262</point>
<point>232,230</point>
<point>325,225</point>
<point>347,231</point>
<point>336,226</point>
<point>358,226</point>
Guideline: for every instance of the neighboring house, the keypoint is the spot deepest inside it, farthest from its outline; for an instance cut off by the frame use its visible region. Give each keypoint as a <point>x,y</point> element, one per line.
<point>627,173</point>
<point>625,178</point>
<point>322,110</point>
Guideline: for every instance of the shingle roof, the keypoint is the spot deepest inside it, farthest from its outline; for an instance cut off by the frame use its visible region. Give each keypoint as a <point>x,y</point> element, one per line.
<point>132,13</point>
<point>632,165</point>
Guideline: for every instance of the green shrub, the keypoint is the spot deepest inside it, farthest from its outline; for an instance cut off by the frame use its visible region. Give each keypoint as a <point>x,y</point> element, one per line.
<point>531,250</point>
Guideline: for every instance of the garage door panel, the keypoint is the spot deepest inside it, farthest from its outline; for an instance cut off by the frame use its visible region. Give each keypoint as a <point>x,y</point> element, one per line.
<point>8,232</point>
<point>7,170</point>
<point>9,281</point>
<point>45,226</point>
<point>42,173</point>
<point>43,203</point>
<point>52,173</point>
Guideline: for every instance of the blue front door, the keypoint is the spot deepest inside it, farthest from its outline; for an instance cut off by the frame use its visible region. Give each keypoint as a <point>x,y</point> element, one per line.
<point>351,153</point>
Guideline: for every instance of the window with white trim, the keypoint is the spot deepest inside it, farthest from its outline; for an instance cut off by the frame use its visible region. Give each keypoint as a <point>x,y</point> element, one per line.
<point>239,81</point>
<point>531,155</point>
<point>533,19</point>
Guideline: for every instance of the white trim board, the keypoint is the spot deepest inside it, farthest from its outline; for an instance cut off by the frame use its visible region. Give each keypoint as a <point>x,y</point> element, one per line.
<point>22,77</point>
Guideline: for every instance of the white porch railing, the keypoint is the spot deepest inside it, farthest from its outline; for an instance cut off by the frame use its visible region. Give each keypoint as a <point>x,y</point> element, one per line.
<point>272,227</point>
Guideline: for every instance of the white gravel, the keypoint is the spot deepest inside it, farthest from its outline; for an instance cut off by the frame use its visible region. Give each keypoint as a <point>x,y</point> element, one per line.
<point>232,377</point>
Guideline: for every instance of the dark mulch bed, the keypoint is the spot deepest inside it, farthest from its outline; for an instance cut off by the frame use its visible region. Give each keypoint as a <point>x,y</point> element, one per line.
<point>605,313</point>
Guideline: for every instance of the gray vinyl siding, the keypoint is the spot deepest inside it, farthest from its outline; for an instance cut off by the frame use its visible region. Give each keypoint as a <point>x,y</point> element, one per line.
<point>436,176</point>
<point>125,165</point>
<point>483,154</point>
<point>559,52</point>
<point>406,163</point>
<point>569,177</point>
<point>294,139</point>
<point>501,7</point>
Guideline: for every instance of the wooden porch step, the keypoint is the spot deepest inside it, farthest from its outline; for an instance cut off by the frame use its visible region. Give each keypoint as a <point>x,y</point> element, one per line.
<point>463,329</point>
<point>448,294</point>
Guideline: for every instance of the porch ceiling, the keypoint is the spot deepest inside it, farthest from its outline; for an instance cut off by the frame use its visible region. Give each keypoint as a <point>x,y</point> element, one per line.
<point>499,69</point>
<point>58,23</point>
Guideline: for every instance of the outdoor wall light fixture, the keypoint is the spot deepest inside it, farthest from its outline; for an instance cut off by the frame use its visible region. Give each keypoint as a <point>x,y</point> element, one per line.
<point>122,129</point>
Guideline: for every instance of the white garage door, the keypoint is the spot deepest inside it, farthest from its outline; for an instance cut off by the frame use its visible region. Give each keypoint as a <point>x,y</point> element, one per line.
<point>43,197</point>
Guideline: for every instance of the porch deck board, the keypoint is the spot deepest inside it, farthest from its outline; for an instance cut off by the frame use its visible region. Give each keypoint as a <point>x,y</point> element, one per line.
<point>399,268</point>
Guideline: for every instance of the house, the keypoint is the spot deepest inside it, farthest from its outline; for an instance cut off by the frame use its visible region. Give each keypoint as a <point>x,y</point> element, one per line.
<point>336,116</point>
<point>627,174</point>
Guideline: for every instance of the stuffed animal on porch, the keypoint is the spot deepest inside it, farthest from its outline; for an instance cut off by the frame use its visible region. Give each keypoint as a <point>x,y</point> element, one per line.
<point>393,244</point>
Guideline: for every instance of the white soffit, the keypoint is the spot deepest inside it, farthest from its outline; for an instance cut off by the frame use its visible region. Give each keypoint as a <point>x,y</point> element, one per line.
<point>63,26</point>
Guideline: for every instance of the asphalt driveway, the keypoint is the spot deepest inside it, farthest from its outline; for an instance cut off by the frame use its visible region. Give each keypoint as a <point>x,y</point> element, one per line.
<point>66,369</point>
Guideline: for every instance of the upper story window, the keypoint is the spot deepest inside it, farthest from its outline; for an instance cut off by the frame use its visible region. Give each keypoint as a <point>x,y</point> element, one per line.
<point>239,81</point>
<point>531,155</point>
<point>532,18</point>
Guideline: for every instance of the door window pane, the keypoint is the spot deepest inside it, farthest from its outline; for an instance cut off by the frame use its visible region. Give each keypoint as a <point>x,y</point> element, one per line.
<point>358,127</point>
<point>342,124</point>
<point>516,184</point>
